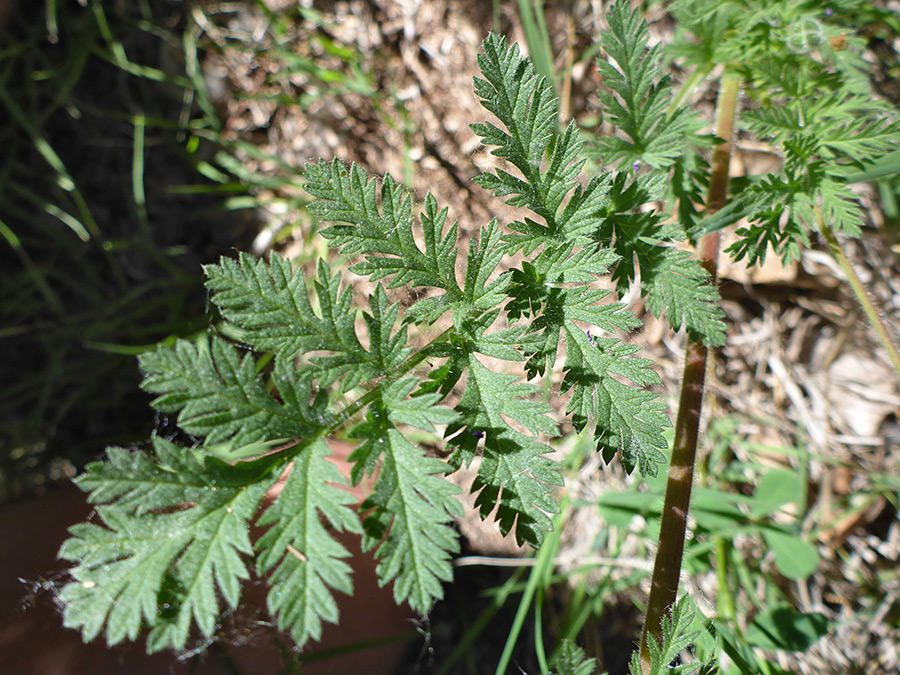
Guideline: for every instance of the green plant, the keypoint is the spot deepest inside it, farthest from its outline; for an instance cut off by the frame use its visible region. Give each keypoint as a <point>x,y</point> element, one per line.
<point>296,361</point>
<point>153,563</point>
<point>813,105</point>
<point>676,635</point>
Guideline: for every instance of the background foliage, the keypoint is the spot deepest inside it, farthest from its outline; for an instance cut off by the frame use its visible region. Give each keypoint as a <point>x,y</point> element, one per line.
<point>84,286</point>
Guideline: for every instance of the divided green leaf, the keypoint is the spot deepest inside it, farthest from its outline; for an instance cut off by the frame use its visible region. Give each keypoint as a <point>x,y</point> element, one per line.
<point>383,235</point>
<point>514,474</point>
<point>637,97</point>
<point>219,394</point>
<point>170,550</point>
<point>301,357</point>
<point>407,517</point>
<point>300,555</point>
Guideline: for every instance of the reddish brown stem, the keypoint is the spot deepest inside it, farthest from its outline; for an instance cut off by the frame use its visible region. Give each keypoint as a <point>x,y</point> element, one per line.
<point>667,570</point>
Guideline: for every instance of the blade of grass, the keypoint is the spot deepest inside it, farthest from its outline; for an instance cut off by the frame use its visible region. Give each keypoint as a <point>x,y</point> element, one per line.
<point>52,23</point>
<point>52,209</point>
<point>32,270</point>
<point>75,69</point>
<point>118,57</point>
<point>137,176</point>
<point>472,634</point>
<point>199,90</point>
<point>537,38</point>
<point>541,571</point>
<point>63,179</point>
<point>539,623</point>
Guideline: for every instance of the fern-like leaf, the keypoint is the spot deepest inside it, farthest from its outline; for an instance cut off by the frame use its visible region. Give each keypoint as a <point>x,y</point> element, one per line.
<point>541,294</point>
<point>818,110</point>
<point>383,235</point>
<point>218,394</point>
<point>407,516</point>
<point>526,105</point>
<point>629,419</point>
<point>305,562</point>
<point>677,635</point>
<point>514,471</point>
<point>269,303</point>
<point>638,96</point>
<point>572,661</point>
<point>484,256</point>
<point>542,290</point>
<point>169,549</point>
<point>674,283</point>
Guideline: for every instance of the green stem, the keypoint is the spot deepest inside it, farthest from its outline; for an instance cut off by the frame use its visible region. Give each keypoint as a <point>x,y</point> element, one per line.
<point>688,87</point>
<point>667,569</point>
<point>859,291</point>
<point>724,600</point>
<point>537,37</point>
<point>475,629</point>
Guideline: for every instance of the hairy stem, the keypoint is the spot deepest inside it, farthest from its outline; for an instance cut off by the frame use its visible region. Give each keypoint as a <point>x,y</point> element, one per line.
<point>859,290</point>
<point>666,571</point>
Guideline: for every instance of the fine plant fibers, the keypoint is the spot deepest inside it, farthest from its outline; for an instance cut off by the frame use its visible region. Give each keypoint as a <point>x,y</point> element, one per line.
<point>297,361</point>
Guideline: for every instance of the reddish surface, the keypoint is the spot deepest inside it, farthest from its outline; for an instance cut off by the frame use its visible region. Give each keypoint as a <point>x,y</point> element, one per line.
<point>33,641</point>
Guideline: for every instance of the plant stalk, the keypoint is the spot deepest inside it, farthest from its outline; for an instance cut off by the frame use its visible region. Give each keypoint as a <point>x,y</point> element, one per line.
<point>667,569</point>
<point>859,291</point>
